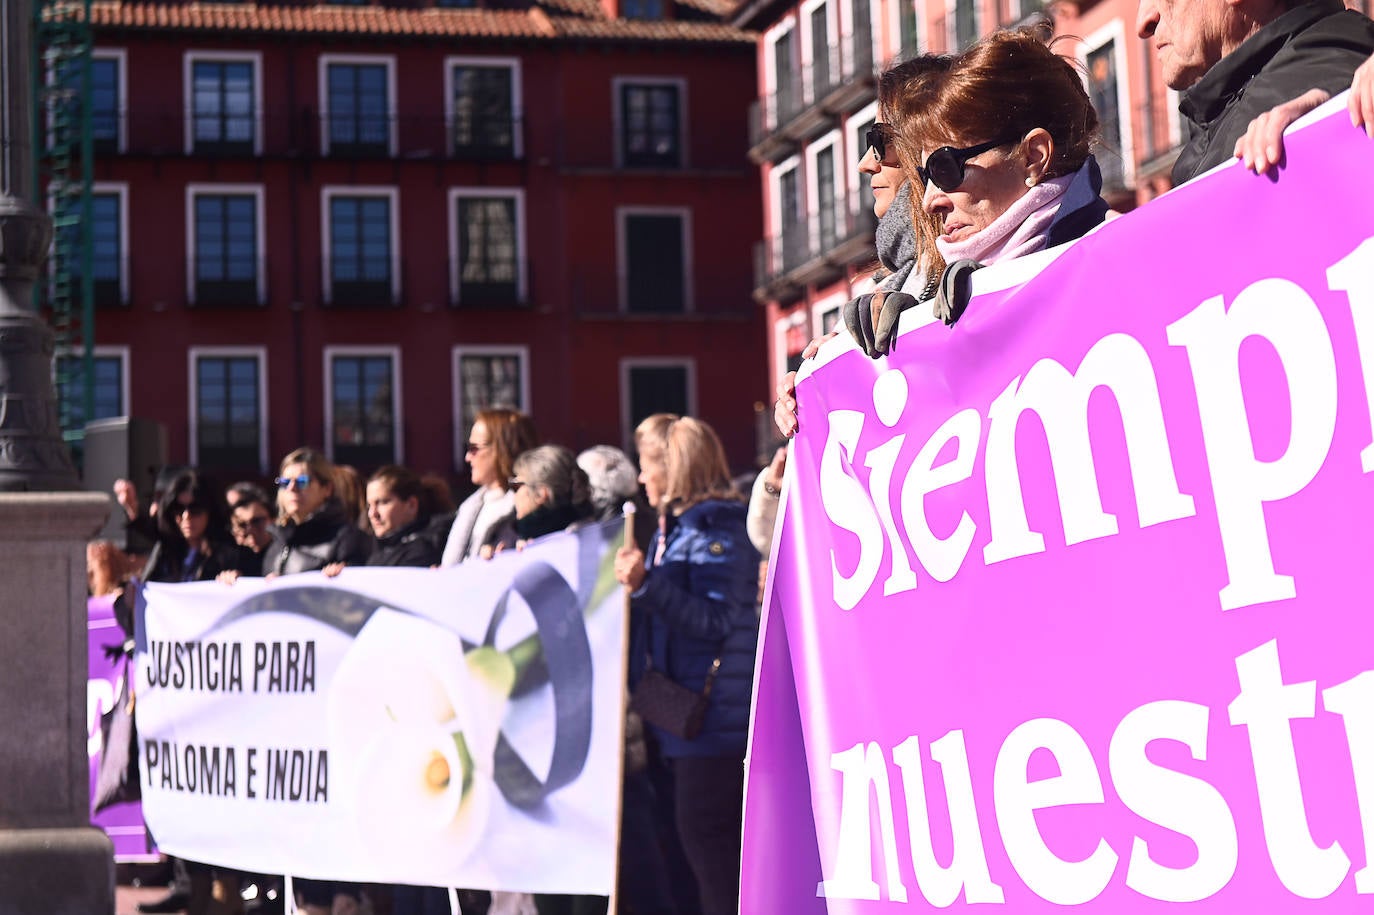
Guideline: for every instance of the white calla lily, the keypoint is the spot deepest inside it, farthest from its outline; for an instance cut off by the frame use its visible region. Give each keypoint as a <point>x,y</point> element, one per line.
<point>413,723</point>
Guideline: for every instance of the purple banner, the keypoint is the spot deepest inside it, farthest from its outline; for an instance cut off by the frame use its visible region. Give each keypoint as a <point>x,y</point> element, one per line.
<point>1068,601</point>
<point>123,823</point>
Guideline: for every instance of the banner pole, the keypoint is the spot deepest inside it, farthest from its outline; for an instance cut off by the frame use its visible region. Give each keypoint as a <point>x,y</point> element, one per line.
<point>629,538</point>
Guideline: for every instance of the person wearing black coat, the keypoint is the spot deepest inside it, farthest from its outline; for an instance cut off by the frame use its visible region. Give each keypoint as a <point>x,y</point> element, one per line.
<point>314,530</point>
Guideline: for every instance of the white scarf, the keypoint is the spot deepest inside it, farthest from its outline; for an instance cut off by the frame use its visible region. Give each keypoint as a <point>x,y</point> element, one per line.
<point>1020,230</point>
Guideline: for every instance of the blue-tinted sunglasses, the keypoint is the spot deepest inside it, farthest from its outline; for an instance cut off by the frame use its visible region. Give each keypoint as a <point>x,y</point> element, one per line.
<point>301,481</point>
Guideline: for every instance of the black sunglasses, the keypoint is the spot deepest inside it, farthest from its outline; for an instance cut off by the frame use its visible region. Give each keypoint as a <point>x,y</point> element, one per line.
<point>474,447</point>
<point>944,168</point>
<point>177,509</point>
<point>877,137</point>
<point>514,484</point>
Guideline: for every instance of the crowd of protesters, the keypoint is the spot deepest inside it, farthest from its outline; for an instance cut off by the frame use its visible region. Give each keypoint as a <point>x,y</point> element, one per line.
<point>978,158</point>
<point>692,608</point>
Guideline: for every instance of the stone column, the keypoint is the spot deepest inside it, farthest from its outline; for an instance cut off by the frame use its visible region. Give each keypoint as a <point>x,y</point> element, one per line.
<point>52,862</point>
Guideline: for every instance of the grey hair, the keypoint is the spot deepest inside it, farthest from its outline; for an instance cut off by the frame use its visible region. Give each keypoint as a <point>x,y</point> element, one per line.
<point>612,476</point>
<point>554,468</point>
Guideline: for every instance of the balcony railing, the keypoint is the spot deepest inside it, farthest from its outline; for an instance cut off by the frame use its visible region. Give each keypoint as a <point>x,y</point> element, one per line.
<point>362,282</point>
<point>822,88</point>
<point>822,243</point>
<point>512,292</point>
<point>231,283</point>
<point>302,133</point>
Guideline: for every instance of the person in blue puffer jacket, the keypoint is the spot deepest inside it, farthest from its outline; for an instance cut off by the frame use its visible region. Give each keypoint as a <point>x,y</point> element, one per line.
<point>693,602</point>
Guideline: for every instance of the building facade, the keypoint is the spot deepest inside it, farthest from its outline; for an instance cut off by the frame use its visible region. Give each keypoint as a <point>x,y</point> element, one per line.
<point>817,97</point>
<point>354,225</point>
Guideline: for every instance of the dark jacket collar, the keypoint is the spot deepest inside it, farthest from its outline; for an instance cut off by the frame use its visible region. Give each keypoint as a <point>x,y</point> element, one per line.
<point>318,528</point>
<point>1208,99</point>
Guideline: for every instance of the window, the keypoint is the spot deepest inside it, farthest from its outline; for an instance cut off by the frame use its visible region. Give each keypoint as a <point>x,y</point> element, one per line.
<point>1104,63</point>
<point>908,28</point>
<point>109,225</point>
<point>649,386</point>
<point>650,114</point>
<point>819,21</point>
<point>483,102</point>
<point>964,23</point>
<point>861,40</point>
<point>826,192</point>
<point>361,405</point>
<point>228,409</point>
<point>487,246</point>
<point>486,377</point>
<point>641,9</point>
<point>358,103</point>
<point>862,207</point>
<point>107,100</point>
<point>226,243</point>
<point>654,261</point>
<point>109,386</point>
<point>791,220</point>
<point>224,101</point>
<point>362,266</point>
<point>786,98</point>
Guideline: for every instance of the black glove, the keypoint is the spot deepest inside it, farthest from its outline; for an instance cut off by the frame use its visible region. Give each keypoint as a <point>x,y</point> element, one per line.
<point>955,290</point>
<point>858,318</point>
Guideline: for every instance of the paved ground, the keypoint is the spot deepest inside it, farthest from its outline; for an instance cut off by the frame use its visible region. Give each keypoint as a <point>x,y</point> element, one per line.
<point>127,897</point>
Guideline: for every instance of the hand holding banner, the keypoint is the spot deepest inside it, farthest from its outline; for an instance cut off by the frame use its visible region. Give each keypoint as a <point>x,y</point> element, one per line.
<point>1072,592</point>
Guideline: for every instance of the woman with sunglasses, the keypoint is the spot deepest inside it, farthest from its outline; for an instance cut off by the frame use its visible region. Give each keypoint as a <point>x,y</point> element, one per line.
<point>1001,139</point>
<point>194,544</point>
<point>313,528</point>
<point>497,437</point>
<point>1003,142</point>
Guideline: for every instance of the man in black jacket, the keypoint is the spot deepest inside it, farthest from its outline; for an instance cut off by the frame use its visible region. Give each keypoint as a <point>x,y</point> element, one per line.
<point>1238,59</point>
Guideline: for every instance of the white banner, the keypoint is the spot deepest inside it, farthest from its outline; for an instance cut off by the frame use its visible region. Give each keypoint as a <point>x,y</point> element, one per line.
<point>452,727</point>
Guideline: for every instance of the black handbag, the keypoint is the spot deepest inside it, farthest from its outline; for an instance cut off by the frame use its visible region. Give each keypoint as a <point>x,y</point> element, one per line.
<point>117,776</point>
<point>667,704</point>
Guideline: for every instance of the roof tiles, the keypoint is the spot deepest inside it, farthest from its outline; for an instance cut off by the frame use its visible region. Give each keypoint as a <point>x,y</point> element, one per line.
<point>532,23</point>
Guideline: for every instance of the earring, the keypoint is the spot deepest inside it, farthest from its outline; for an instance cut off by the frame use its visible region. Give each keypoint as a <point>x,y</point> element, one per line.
<point>1030,181</point>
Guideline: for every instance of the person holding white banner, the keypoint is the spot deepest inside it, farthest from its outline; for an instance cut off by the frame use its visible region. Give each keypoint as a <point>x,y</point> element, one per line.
<point>315,529</point>
<point>693,637</point>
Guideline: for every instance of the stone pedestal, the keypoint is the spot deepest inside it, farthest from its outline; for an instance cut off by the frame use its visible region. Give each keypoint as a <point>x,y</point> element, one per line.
<point>52,862</point>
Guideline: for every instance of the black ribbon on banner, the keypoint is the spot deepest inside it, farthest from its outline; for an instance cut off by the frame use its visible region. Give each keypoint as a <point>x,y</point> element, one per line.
<point>564,661</point>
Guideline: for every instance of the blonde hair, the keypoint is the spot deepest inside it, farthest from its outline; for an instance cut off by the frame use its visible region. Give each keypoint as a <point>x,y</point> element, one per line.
<point>695,465</point>
<point>317,465</point>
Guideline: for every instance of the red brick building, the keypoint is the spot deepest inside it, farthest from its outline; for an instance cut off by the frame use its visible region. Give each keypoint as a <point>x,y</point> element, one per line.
<point>354,225</point>
<point>816,97</point>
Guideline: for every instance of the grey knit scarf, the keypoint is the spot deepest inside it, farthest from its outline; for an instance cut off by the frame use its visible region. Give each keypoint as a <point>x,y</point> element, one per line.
<point>896,240</point>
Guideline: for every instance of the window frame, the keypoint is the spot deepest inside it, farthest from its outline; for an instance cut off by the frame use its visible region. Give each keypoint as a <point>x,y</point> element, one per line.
<point>258,192</point>
<point>516,91</point>
<point>193,355</point>
<point>792,163</point>
<point>807,55</point>
<point>783,31</point>
<point>456,268</point>
<point>895,28</point>
<point>849,128</point>
<point>628,364</point>
<point>121,190</point>
<point>332,352</point>
<point>121,351</point>
<point>618,118</point>
<point>952,24</point>
<point>1115,31</point>
<point>121,58</point>
<point>832,141</point>
<point>189,60</point>
<point>386,60</point>
<point>622,213</point>
<point>327,193</point>
<point>520,350</point>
